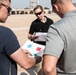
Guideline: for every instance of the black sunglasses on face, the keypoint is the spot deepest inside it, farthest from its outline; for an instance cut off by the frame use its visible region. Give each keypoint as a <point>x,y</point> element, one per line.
<point>7,7</point>
<point>39,13</point>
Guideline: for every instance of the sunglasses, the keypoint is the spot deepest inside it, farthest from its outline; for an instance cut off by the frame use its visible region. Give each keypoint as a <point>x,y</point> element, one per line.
<point>7,7</point>
<point>39,13</point>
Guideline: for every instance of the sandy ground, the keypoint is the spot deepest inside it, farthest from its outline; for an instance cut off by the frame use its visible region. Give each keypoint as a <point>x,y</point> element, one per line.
<point>20,25</point>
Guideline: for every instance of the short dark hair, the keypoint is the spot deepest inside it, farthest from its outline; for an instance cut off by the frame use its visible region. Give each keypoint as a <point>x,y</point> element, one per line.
<point>38,6</point>
<point>10,1</point>
<point>53,2</point>
<point>5,0</point>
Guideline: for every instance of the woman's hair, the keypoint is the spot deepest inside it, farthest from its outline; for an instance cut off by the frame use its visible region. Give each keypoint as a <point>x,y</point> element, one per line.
<point>38,6</point>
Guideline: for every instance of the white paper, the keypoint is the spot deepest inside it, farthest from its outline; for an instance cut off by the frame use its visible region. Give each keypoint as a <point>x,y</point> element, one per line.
<point>33,48</point>
<point>41,36</point>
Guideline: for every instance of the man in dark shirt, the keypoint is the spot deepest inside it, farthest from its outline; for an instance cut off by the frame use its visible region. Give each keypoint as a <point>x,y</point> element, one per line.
<point>41,24</point>
<point>10,50</point>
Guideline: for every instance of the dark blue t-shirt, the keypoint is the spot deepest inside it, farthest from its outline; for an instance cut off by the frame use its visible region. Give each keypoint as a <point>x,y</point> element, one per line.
<point>8,45</point>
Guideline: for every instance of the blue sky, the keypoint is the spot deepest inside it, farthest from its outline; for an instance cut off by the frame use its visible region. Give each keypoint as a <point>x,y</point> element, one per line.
<point>26,3</point>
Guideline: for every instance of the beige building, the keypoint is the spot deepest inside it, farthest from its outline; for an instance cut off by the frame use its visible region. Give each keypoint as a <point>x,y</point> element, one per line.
<point>28,11</point>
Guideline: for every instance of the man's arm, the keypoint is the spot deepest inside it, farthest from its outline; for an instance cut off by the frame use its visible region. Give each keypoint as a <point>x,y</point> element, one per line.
<point>23,59</point>
<point>29,36</point>
<point>49,65</point>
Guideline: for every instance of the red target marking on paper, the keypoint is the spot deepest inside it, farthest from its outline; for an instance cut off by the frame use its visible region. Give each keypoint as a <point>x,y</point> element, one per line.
<point>38,49</point>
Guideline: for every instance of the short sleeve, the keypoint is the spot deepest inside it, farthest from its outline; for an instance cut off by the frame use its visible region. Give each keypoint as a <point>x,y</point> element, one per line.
<point>33,27</point>
<point>54,43</point>
<point>31,30</point>
<point>11,43</point>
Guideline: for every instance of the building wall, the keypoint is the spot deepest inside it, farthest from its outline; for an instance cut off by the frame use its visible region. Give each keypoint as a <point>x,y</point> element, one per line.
<point>28,11</point>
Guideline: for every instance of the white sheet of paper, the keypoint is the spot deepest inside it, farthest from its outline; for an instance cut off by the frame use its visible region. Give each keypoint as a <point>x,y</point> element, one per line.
<point>41,36</point>
<point>33,48</point>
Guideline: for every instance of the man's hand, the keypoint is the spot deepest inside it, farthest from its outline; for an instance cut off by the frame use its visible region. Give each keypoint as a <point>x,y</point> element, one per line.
<point>27,52</point>
<point>38,59</point>
<point>33,37</point>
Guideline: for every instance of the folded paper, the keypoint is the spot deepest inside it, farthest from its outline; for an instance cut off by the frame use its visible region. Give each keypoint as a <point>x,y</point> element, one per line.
<point>34,48</point>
